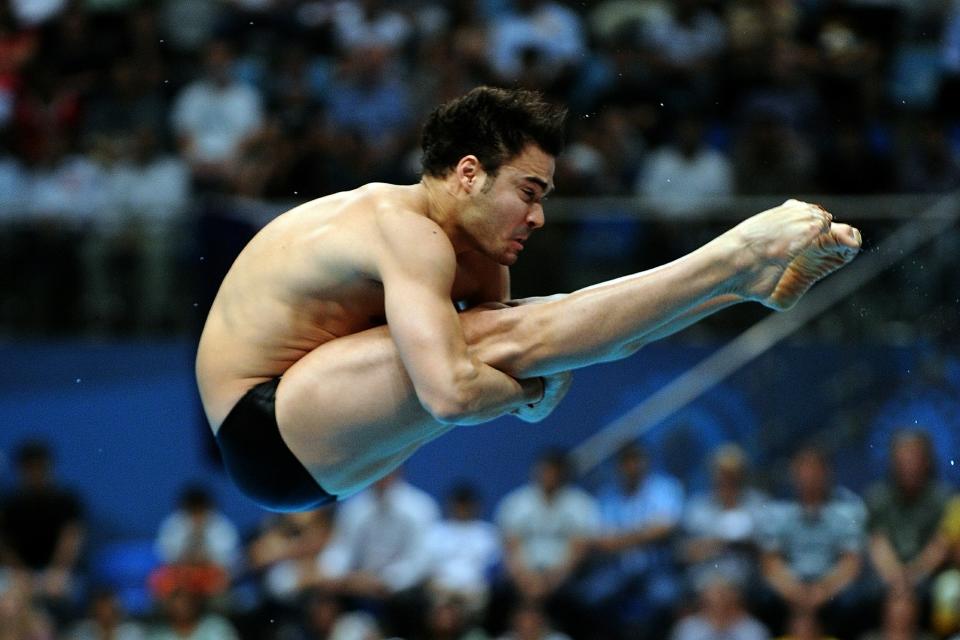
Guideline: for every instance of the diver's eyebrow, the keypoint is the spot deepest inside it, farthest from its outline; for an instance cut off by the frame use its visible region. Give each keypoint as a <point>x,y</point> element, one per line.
<point>543,184</point>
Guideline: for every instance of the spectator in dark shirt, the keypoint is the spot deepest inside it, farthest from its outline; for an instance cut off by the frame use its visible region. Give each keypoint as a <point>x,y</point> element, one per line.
<point>41,530</point>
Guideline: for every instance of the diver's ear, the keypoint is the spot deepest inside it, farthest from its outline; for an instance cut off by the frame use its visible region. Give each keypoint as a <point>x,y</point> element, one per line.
<point>469,173</point>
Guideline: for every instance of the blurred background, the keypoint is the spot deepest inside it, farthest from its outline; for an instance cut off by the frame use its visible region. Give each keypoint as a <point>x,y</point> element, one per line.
<point>758,475</point>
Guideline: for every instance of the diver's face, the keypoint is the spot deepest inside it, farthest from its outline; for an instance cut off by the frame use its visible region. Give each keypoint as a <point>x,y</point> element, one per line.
<point>507,207</point>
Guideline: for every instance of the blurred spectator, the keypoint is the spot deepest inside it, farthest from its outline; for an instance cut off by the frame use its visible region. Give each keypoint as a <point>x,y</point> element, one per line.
<point>945,587</point>
<point>46,114</point>
<point>632,583</point>
<point>529,622</point>
<point>905,513</point>
<point>106,620</point>
<point>949,91</point>
<point>378,552</point>
<point>285,551</point>
<point>138,227</point>
<point>212,117</point>
<point>20,619</point>
<point>450,618</point>
<point>67,189</point>
<point>42,532</point>
<point>368,24</point>
<point>185,617</point>
<point>686,177</point>
<point>17,47</point>
<point>851,163</point>
<point>901,620</point>
<point>369,98</point>
<point>34,12</point>
<point>125,105</point>
<point>805,625</point>
<point>546,526</point>
<point>190,24</point>
<point>929,164</point>
<point>198,546</point>
<point>325,619</point>
<point>720,527</point>
<point>537,41</point>
<point>847,40</point>
<point>813,544</point>
<point>777,80</point>
<point>149,186</point>
<point>74,50</point>
<point>721,615</point>
<point>463,551</point>
<point>771,158</point>
<point>14,183</point>
<point>683,49</point>
<point>582,168</point>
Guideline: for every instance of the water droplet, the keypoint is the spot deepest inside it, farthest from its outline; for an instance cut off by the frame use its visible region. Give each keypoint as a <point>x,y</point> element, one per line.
<point>951,463</point>
<point>77,381</point>
<point>295,193</point>
<point>661,104</point>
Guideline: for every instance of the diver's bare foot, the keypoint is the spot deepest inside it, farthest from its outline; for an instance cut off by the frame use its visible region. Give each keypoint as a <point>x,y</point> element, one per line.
<point>828,252</point>
<point>781,252</point>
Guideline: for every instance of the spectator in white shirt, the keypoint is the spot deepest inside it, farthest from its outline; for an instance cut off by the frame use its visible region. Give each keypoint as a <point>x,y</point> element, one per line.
<point>214,115</point>
<point>378,553</point>
<point>546,527</point>
<point>463,550</point>
<point>198,546</point>
<point>686,177</point>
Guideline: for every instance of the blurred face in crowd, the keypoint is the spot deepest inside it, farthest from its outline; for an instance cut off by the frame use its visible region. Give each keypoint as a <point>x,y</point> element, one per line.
<point>463,510</point>
<point>911,464</point>
<point>105,609</point>
<point>183,608</point>
<point>720,599</point>
<point>810,477</point>
<point>690,135</point>
<point>632,465</point>
<point>729,471</point>
<point>447,619</point>
<point>728,483</point>
<point>529,623</point>
<point>35,473</point>
<point>551,475</point>
<point>218,63</point>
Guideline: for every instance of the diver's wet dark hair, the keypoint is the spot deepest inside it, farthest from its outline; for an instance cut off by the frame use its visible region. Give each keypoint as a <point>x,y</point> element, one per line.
<point>492,124</point>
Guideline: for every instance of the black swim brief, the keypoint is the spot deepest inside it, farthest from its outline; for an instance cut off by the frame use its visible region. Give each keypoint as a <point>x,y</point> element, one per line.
<point>259,461</point>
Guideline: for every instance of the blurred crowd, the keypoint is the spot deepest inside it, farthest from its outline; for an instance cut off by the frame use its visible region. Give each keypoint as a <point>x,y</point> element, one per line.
<point>119,117</point>
<point>638,557</point>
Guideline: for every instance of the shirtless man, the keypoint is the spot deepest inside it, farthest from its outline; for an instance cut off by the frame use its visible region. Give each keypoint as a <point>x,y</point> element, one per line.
<point>357,327</point>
